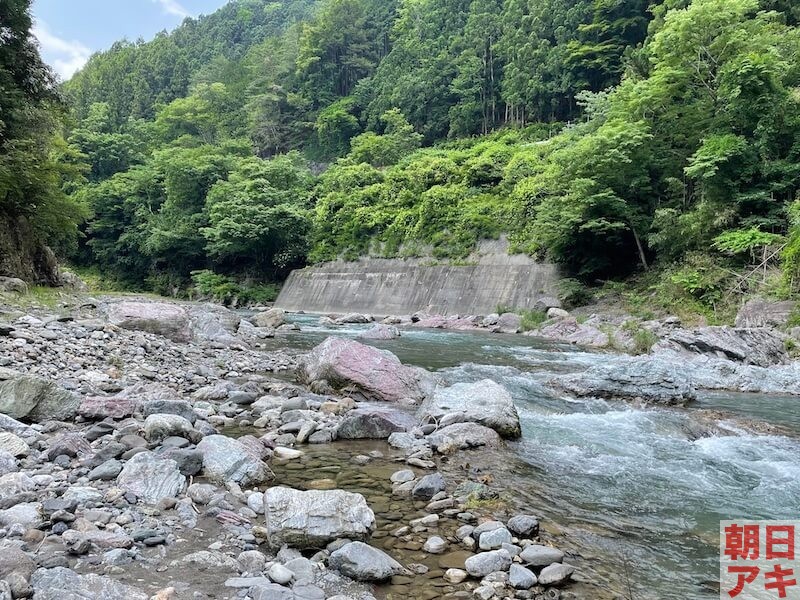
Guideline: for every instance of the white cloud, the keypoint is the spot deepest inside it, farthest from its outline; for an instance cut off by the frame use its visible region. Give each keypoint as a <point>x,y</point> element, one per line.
<point>64,56</point>
<point>173,7</point>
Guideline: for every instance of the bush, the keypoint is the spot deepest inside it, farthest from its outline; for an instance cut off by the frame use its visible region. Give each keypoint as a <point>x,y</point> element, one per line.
<point>227,291</point>
<point>532,319</point>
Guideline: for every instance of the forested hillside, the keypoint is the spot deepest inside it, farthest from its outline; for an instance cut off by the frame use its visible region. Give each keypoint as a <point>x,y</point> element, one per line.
<point>612,137</point>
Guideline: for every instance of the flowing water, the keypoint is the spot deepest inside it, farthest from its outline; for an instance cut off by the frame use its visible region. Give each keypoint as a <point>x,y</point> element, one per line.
<point>635,494</point>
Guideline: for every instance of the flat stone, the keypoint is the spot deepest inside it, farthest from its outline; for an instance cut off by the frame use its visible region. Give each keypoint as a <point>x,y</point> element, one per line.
<point>362,562</point>
<point>555,574</point>
<point>537,555</point>
<point>151,478</point>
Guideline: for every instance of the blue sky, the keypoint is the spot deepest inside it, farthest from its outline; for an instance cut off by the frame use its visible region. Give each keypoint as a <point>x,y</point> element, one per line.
<point>69,31</point>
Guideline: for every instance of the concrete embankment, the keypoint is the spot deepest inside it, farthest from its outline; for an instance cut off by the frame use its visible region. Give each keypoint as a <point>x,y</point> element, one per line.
<point>398,286</point>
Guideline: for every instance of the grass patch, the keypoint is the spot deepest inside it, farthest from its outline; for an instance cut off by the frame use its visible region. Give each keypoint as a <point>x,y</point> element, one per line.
<point>532,319</point>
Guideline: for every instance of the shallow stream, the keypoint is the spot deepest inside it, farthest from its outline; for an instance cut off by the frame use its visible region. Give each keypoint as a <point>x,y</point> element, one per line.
<point>634,493</point>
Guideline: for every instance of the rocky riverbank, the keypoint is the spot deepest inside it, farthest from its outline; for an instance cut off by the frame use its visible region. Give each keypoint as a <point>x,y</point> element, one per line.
<point>147,450</point>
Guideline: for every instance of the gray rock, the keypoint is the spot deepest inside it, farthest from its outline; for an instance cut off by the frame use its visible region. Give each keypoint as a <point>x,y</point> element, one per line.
<point>64,584</point>
<point>366,372</point>
<point>215,325</point>
<point>464,436</point>
<point>537,555</point>
<point>226,459</point>
<point>189,461</point>
<point>106,471</point>
<point>557,313</point>
<point>484,563</point>
<point>160,318</point>
<point>435,545</point>
<point>374,423</point>
<point>639,378</point>
<point>159,427</point>
<point>570,331</point>
<point>36,399</point>
<point>380,332</point>
<point>13,285</point>
<point>428,487</point>
<point>492,540</point>
<point>16,568</point>
<point>521,578</point>
<point>362,562</point>
<point>8,464</point>
<point>28,515</point>
<point>524,526</point>
<point>151,478</point>
<point>555,574</point>
<point>271,591</point>
<point>354,318</point>
<point>758,312</point>
<point>403,476</point>
<point>314,518</point>
<point>168,406</point>
<point>753,346</point>
<point>280,574</point>
<point>272,318</point>
<point>485,402</point>
<point>509,323</point>
<point>13,444</point>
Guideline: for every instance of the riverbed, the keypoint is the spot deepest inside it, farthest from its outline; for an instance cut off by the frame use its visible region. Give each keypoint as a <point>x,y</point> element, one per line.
<point>634,493</point>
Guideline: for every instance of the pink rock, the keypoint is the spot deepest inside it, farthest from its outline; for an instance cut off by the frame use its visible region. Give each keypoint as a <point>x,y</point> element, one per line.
<point>103,407</point>
<point>365,371</point>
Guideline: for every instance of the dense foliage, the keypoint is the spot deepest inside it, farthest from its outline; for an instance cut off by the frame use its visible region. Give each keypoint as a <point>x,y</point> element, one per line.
<point>35,164</point>
<point>607,136</point>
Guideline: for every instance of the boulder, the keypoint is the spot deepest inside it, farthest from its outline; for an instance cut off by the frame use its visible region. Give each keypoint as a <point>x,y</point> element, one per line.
<point>354,318</point>
<point>758,312</point>
<point>521,578</point>
<point>163,406</point>
<point>484,402</point>
<point>272,318</point>
<point>640,378</point>
<point>364,371</point>
<point>160,318</point>
<point>362,562</point>
<point>16,568</point>
<point>484,563</point>
<point>556,574</point>
<point>752,346</point>
<point>159,427</point>
<point>373,423</point>
<point>215,325</point>
<point>36,399</point>
<point>557,313</point>
<point>228,460</point>
<point>428,487</point>
<point>314,518</point>
<point>464,436</point>
<point>545,303</point>
<point>97,408</point>
<point>509,323</point>
<point>151,478</point>
<point>13,285</point>
<point>65,584</point>
<point>380,332</point>
<point>570,331</point>
<point>537,555</point>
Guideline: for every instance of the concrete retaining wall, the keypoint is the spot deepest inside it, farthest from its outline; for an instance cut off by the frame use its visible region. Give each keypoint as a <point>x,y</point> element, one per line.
<point>398,287</point>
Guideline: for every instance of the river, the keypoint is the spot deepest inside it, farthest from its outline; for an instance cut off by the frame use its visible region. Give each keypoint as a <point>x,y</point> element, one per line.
<point>636,492</point>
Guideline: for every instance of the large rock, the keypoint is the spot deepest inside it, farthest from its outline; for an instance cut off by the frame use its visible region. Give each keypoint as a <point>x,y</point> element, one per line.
<point>13,285</point>
<point>485,402</point>
<point>273,318</point>
<point>753,346</point>
<point>509,323</point>
<point>314,518</point>
<point>65,584</point>
<point>365,371</point>
<point>215,326</point>
<point>160,318</point>
<point>464,436</point>
<point>642,378</point>
<point>380,332</point>
<point>374,423</point>
<point>226,459</point>
<point>103,407</point>
<point>362,562</point>
<point>36,399</point>
<point>763,313</point>
<point>484,563</point>
<point>16,568</point>
<point>570,331</point>
<point>151,478</point>
<point>161,426</point>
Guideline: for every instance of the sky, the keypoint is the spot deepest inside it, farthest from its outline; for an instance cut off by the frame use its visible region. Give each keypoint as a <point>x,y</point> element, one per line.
<point>70,31</point>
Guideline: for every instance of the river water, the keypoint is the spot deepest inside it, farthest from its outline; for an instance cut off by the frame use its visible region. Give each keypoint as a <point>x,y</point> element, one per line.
<point>634,493</point>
